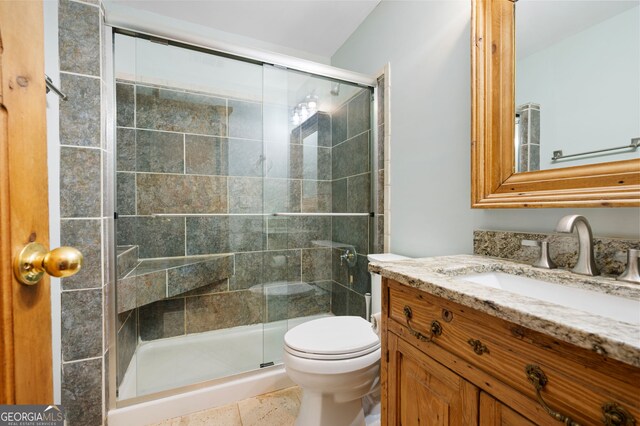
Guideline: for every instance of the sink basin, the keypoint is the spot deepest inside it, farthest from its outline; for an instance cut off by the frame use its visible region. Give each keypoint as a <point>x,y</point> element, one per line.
<point>606,305</point>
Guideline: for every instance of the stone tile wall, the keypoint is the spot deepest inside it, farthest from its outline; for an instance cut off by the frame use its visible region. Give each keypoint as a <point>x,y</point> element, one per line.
<point>173,159</point>
<point>85,210</point>
<point>351,193</point>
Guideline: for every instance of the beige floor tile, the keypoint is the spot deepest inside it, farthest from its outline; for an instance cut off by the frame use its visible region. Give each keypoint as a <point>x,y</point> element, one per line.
<point>274,409</point>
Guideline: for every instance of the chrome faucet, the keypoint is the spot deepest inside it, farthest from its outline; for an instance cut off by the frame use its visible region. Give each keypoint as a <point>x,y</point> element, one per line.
<point>586,264</point>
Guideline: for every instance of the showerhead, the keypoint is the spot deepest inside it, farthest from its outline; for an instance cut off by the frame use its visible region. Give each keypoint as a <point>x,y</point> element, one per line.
<point>335,89</point>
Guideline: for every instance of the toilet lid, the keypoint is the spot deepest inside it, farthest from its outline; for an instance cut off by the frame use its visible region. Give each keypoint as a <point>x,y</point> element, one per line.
<point>333,336</point>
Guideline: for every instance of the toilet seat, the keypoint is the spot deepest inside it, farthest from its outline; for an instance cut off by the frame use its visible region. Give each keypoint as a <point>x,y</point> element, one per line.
<point>332,338</point>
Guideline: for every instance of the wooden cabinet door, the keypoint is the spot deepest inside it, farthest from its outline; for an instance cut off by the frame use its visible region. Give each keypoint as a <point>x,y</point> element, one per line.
<point>424,392</point>
<point>25,311</point>
<point>495,413</point>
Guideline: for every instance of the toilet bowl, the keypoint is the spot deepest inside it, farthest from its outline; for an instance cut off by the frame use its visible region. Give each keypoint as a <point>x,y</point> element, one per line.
<point>336,362</point>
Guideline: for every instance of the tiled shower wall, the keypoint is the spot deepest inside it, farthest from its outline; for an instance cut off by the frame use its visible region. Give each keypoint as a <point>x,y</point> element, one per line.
<point>85,211</point>
<point>172,158</point>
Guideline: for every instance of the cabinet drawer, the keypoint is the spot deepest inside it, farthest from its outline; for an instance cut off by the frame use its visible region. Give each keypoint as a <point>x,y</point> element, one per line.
<point>579,382</point>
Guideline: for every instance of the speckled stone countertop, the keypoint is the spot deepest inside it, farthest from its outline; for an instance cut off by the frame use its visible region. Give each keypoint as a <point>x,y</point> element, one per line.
<point>440,276</point>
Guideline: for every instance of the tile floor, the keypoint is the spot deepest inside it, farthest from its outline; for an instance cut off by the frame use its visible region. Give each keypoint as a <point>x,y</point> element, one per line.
<point>272,409</point>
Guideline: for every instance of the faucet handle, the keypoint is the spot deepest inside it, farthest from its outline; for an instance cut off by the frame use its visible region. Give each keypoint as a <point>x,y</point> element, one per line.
<point>632,273</point>
<point>544,261</point>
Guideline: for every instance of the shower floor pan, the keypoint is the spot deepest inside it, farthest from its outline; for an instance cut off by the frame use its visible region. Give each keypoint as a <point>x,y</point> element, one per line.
<point>179,361</point>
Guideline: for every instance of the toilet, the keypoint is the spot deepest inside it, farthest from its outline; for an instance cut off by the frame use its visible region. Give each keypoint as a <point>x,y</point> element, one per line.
<point>336,362</point>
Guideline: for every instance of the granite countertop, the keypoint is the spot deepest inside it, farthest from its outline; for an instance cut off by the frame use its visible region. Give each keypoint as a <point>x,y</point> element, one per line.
<point>440,276</point>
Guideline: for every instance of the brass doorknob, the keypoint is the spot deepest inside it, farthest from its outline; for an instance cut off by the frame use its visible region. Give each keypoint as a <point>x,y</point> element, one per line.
<point>34,260</point>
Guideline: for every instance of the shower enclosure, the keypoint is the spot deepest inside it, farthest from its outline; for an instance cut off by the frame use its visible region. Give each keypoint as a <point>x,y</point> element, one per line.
<point>247,200</point>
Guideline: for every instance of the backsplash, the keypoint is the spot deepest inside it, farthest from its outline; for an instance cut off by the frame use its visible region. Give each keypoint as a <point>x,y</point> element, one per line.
<point>610,253</point>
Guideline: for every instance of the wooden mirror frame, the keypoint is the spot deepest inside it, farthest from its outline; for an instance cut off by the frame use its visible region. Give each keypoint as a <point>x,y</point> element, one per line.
<point>494,183</point>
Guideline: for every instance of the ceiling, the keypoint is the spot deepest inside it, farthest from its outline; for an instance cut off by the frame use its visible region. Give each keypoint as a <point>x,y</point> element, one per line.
<point>319,27</point>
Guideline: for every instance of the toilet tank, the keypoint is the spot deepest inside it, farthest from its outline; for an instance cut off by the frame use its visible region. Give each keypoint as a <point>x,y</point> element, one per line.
<point>376,280</point>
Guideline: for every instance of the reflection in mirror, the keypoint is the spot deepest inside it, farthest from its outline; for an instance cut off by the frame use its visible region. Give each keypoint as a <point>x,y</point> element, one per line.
<point>577,84</point>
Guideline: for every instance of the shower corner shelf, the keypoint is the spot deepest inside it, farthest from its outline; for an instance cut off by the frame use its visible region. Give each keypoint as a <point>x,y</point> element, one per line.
<point>157,279</point>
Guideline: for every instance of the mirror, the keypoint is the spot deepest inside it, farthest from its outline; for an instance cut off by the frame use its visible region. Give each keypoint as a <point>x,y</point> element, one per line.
<point>518,121</point>
<point>577,87</point>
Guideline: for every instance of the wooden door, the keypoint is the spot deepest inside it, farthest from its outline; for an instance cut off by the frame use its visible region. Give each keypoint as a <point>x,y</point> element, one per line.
<point>424,392</point>
<point>495,413</point>
<point>25,311</point>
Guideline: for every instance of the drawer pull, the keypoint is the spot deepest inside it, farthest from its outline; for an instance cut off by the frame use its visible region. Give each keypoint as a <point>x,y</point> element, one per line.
<point>436,328</point>
<point>615,415</point>
<point>539,380</point>
<point>478,347</point>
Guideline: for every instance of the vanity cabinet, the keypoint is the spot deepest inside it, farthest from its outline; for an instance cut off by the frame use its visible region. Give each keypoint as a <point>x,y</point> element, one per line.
<point>446,364</point>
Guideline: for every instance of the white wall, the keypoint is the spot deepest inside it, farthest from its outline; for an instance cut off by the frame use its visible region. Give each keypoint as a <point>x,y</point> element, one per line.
<point>588,89</point>
<point>427,43</point>
<point>51,68</point>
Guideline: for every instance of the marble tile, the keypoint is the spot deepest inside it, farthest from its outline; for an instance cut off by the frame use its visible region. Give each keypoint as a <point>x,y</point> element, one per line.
<point>295,137</point>
<point>534,136</point>
<point>316,264</point>
<point>380,206</point>
<point>359,193</point>
<point>162,319</point>
<point>214,287</point>
<point>126,344</point>
<point>127,259</point>
<point>159,236</point>
<point>316,196</point>
<point>227,415</point>
<point>189,277</point>
<point>224,310</point>
<point>381,100</point>
<point>126,299</point>
<point>208,235</point>
<point>245,158</point>
<point>81,324</point>
<point>281,195</point>
<point>279,408</point>
<point>277,154</point>
<point>296,165</point>
<point>352,230</point>
<point>125,150</point>
<point>80,185</point>
<point>339,196</point>
<point>247,233</point>
<point>82,392</point>
<point>357,304</point>
<point>205,155</point>
<point>85,235</point>
<point>159,193</point>
<point>324,130</point>
<point>125,105</point>
<point>339,299</point>
<point>380,146</point>
<point>351,158</point>
<point>79,38</point>
<point>159,152</point>
<point>359,114</point>
<point>303,230</point>
<point>316,163</point>
<point>150,287</point>
<point>523,162</point>
<point>126,193</point>
<point>294,300</point>
<point>277,233</point>
<point>534,157</point>
<point>245,195</point>
<point>80,114</point>
<point>245,119</point>
<point>161,109</point>
<point>339,125</point>
<point>249,270</point>
<point>126,233</point>
<point>361,277</point>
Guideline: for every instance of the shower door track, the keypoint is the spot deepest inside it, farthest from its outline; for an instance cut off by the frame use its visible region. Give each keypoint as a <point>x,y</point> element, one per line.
<point>126,25</point>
